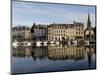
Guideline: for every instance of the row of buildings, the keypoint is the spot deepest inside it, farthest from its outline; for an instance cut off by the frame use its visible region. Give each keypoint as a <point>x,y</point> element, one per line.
<point>54,32</point>
<point>66,31</point>
<point>21,33</point>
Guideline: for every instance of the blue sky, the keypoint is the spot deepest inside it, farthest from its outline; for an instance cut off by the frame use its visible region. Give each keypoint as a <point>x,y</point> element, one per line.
<point>27,13</point>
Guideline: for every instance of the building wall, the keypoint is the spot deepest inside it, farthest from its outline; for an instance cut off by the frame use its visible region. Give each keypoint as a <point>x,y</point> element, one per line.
<point>21,33</point>
<point>65,31</point>
<point>70,33</point>
<point>79,30</point>
<point>39,32</point>
<point>56,32</point>
<point>50,33</point>
<point>89,34</point>
<point>28,35</point>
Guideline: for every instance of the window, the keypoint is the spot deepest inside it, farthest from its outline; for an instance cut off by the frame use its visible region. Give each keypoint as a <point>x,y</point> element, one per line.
<point>55,38</point>
<point>76,32</point>
<point>59,38</point>
<point>52,38</point>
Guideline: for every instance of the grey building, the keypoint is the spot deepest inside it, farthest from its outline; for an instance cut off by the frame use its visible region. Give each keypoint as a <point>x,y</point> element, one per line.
<point>39,32</point>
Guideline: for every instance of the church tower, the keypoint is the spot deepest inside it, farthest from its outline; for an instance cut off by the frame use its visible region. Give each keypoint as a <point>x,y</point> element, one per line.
<point>89,31</point>
<point>88,21</point>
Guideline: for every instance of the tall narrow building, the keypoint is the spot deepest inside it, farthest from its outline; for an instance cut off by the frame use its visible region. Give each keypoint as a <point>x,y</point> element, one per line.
<point>89,31</point>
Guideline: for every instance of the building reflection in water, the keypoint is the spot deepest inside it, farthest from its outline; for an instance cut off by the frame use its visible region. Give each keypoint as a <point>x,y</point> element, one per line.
<point>90,50</point>
<point>65,52</point>
<point>39,52</point>
<point>51,52</point>
<point>21,52</point>
<point>55,52</point>
<point>48,58</point>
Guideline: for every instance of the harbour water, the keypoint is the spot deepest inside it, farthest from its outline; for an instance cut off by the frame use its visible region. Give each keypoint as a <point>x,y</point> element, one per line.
<point>52,58</point>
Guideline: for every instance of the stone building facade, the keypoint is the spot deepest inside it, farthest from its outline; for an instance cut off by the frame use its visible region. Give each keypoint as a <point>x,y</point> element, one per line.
<point>21,33</point>
<point>56,32</point>
<point>66,31</point>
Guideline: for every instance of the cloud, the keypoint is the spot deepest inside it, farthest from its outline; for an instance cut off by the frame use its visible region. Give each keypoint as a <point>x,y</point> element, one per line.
<point>24,12</point>
<point>43,8</point>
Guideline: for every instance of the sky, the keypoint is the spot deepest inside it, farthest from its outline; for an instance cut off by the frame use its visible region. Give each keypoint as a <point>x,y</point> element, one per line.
<point>27,13</point>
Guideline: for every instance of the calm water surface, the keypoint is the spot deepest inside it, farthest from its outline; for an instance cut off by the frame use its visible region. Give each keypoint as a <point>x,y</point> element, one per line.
<point>53,58</point>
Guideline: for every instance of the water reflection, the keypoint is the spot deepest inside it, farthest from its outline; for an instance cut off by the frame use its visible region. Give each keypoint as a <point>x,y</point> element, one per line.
<point>65,52</point>
<point>79,57</point>
<point>39,52</point>
<point>90,50</point>
<point>51,52</point>
<point>21,52</point>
